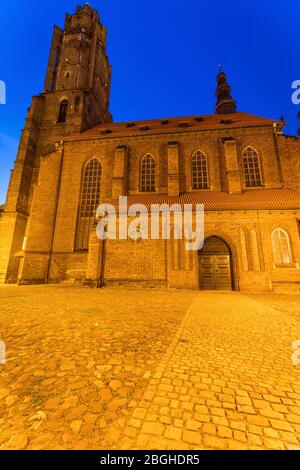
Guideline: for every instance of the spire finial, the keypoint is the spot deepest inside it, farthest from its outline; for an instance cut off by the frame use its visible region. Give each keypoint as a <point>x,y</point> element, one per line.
<point>225,103</point>
<point>220,67</point>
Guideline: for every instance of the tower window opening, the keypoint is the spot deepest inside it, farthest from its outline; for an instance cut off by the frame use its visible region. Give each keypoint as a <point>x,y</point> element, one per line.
<point>63,110</point>
<point>53,80</point>
<point>77,103</point>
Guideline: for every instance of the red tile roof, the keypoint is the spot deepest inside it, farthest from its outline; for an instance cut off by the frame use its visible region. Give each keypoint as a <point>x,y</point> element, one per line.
<point>254,199</point>
<point>168,125</point>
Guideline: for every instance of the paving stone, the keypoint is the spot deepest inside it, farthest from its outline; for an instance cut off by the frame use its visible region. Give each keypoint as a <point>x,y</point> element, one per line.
<point>281,425</point>
<point>239,436</point>
<point>280,408</point>
<point>229,406</point>
<point>292,447</point>
<point>202,418</point>
<point>293,418</point>
<point>153,428</point>
<point>217,411</point>
<point>214,442</point>
<point>258,420</point>
<point>16,442</point>
<point>191,437</point>
<point>130,432</point>
<point>246,409</point>
<point>272,399</point>
<point>220,421</point>
<point>4,392</point>
<point>255,429</point>
<point>224,432</point>
<point>209,428</point>
<point>269,413</point>
<point>270,432</point>
<point>193,425</point>
<point>203,410</point>
<point>289,437</point>
<point>261,404</point>
<point>11,400</point>
<point>165,420</point>
<point>173,432</point>
<point>236,445</point>
<point>243,401</point>
<point>273,444</point>
<point>254,440</point>
<point>238,425</point>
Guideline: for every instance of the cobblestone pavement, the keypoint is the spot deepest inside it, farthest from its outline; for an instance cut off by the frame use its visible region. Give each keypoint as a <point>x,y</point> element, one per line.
<point>118,369</point>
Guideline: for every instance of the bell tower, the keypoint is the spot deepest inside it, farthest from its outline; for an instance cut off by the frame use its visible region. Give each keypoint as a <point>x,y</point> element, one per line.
<point>225,103</point>
<point>75,98</point>
<point>79,73</point>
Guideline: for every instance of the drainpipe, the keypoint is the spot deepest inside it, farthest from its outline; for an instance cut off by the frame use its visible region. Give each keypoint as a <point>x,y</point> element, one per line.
<point>277,153</point>
<point>101,280</point>
<point>100,283</point>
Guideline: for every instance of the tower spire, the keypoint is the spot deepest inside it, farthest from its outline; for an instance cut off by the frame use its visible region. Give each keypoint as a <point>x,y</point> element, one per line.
<point>225,103</point>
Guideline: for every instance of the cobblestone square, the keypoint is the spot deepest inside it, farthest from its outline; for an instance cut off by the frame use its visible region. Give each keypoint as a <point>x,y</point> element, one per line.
<point>147,369</point>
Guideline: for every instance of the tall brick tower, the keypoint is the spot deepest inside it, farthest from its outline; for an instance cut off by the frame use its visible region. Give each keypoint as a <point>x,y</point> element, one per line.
<point>75,98</point>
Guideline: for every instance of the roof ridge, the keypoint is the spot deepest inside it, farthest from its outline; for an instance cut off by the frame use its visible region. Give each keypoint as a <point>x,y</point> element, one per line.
<point>197,122</point>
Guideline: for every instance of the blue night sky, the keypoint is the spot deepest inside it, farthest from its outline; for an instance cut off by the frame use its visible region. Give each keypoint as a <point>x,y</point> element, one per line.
<point>164,55</point>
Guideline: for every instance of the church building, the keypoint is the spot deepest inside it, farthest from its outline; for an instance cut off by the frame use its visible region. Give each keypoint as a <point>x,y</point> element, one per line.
<point>73,157</point>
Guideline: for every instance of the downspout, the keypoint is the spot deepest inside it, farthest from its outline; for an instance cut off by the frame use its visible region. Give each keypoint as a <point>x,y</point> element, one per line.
<point>100,283</point>
<point>277,153</point>
<point>55,214</point>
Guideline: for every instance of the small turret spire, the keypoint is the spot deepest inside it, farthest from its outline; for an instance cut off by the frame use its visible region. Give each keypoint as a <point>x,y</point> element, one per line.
<point>225,103</point>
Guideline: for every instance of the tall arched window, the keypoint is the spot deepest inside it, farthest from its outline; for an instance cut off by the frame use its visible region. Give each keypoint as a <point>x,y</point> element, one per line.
<point>53,79</point>
<point>77,103</point>
<point>63,110</point>
<point>251,166</point>
<point>199,171</point>
<point>281,247</point>
<point>148,174</point>
<point>89,202</point>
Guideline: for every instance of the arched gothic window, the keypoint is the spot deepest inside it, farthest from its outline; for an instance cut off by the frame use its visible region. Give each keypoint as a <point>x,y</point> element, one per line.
<point>281,247</point>
<point>252,169</point>
<point>63,110</point>
<point>77,103</point>
<point>199,171</point>
<point>148,174</point>
<point>89,202</point>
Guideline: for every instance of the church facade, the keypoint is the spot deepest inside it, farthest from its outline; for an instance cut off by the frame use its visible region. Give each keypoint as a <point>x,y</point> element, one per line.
<point>73,157</point>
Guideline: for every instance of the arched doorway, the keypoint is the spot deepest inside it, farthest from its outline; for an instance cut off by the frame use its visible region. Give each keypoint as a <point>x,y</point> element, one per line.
<point>216,265</point>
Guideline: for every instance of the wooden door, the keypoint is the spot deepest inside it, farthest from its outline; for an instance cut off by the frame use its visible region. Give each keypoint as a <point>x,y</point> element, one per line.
<point>215,272</point>
<point>215,266</point>
<point>222,272</point>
